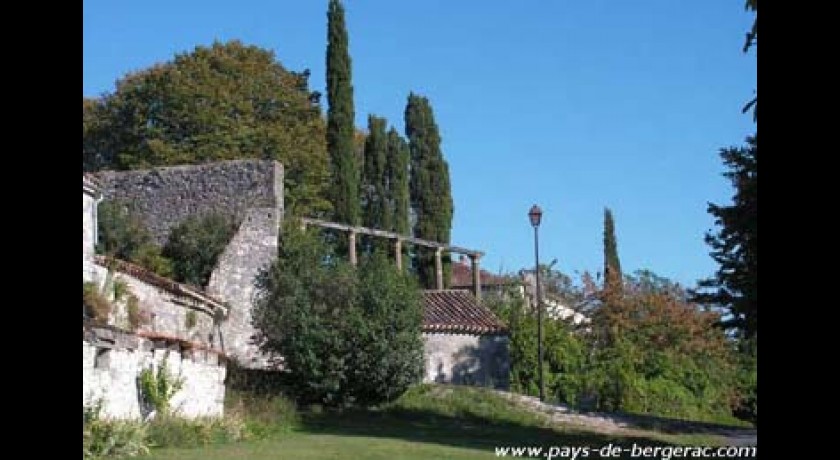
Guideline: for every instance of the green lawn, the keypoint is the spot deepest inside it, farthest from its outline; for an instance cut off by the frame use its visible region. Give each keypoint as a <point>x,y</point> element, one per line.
<point>426,423</point>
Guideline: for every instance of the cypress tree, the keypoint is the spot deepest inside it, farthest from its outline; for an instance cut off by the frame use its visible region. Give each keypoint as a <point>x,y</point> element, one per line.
<point>612,266</point>
<point>431,195</point>
<point>397,171</point>
<point>344,192</point>
<point>376,207</point>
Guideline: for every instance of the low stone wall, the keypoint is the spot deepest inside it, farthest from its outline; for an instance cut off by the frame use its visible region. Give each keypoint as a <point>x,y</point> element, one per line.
<point>162,312</point>
<point>466,359</point>
<point>110,374</point>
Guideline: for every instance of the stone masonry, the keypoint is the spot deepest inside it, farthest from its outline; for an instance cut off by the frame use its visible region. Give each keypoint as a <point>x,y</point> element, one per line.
<point>109,375</point>
<point>466,359</point>
<point>249,191</point>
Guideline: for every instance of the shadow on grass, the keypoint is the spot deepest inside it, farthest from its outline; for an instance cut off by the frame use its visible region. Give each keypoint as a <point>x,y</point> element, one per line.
<point>463,431</point>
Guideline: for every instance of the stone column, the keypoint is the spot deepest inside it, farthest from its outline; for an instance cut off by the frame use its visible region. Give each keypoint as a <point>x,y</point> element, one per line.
<point>476,276</point>
<point>438,269</point>
<point>398,253</point>
<point>352,248</point>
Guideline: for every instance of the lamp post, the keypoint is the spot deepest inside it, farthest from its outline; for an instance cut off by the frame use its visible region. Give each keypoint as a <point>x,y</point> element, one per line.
<point>535,215</point>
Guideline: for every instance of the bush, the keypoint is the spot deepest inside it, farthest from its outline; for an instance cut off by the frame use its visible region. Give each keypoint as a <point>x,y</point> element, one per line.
<point>121,232</point>
<point>111,438</point>
<point>97,308</point>
<point>157,386</point>
<point>647,351</point>
<point>263,414</point>
<point>356,333</point>
<point>169,431</point>
<point>195,245</point>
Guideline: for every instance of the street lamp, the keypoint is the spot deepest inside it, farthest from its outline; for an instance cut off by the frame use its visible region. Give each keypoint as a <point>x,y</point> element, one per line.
<point>535,215</point>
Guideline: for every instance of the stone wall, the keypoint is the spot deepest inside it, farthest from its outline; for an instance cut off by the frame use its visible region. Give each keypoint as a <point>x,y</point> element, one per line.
<point>165,196</point>
<point>249,191</point>
<point>162,312</point>
<point>466,359</point>
<point>253,248</point>
<point>109,374</point>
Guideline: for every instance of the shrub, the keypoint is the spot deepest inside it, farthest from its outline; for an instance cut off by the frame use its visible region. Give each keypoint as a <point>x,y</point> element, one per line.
<point>97,308</point>
<point>120,289</point>
<point>123,235</point>
<point>195,245</point>
<point>263,414</point>
<point>356,332</point>
<point>121,232</point>
<point>111,438</point>
<point>169,431</point>
<point>151,257</point>
<point>157,386</point>
<point>133,312</point>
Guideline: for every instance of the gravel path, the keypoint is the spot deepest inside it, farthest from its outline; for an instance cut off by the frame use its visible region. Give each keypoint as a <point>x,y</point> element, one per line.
<point>626,424</point>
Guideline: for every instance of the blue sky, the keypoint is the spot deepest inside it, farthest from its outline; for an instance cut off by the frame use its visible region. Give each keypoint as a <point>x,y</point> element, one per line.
<point>573,105</point>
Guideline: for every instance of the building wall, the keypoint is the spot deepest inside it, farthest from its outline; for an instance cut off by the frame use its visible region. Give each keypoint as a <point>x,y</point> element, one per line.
<point>466,359</point>
<point>110,376</point>
<point>88,233</point>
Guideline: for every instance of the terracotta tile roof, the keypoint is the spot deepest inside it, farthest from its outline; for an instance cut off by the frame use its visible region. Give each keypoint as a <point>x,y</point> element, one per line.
<point>462,276</point>
<point>161,282</point>
<point>457,311</point>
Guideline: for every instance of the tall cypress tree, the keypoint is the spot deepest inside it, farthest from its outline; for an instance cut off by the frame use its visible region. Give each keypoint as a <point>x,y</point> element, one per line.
<point>397,171</point>
<point>344,192</point>
<point>431,195</point>
<point>612,266</point>
<point>376,207</point>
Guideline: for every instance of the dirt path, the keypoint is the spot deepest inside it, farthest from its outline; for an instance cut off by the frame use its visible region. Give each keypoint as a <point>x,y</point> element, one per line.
<point>628,424</point>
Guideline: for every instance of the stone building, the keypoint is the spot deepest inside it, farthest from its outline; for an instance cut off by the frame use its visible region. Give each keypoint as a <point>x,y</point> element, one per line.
<point>464,342</point>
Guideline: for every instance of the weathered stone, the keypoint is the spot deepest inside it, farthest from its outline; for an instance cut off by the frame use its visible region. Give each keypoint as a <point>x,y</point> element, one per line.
<point>114,381</point>
<point>466,359</point>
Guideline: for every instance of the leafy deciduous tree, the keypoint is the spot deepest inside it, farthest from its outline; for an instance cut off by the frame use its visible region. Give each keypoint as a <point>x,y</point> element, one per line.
<point>222,102</point>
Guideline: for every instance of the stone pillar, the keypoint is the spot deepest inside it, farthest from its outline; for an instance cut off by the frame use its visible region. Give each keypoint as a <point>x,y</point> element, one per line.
<point>476,276</point>
<point>398,253</point>
<point>438,269</point>
<point>352,248</point>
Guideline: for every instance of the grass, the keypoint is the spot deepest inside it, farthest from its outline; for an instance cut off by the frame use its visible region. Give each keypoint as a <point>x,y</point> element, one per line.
<point>427,422</point>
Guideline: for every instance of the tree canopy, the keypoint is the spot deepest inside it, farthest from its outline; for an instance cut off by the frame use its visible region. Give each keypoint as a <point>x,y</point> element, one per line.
<point>220,102</point>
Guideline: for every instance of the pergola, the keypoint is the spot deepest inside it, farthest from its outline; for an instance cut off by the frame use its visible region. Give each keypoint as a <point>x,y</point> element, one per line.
<point>399,240</point>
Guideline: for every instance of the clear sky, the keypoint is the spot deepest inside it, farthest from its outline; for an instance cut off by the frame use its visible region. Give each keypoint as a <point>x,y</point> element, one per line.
<point>573,105</point>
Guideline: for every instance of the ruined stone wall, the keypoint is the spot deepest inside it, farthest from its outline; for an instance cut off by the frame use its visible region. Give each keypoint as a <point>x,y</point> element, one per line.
<point>163,197</point>
<point>466,359</point>
<point>250,191</point>
<point>253,248</point>
<point>110,376</point>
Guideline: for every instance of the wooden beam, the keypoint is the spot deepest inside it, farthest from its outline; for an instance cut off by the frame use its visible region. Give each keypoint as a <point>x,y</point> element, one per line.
<point>390,235</point>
